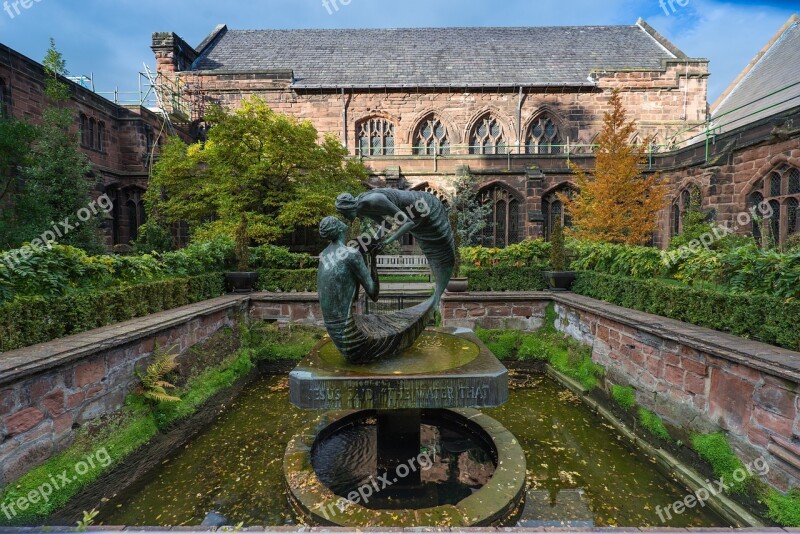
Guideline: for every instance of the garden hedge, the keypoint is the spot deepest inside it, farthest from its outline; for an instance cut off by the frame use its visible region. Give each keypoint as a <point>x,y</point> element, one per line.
<point>287,280</point>
<point>507,278</point>
<point>765,318</point>
<point>30,320</point>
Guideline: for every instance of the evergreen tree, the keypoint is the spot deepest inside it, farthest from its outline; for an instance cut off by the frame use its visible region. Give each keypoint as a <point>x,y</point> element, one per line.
<point>616,202</point>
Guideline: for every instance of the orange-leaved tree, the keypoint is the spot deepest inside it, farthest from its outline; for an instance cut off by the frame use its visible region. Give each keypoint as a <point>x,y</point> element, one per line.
<point>616,202</point>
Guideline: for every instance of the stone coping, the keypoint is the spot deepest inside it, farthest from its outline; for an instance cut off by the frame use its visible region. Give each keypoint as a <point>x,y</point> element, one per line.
<point>20,363</point>
<point>773,360</point>
<point>27,361</point>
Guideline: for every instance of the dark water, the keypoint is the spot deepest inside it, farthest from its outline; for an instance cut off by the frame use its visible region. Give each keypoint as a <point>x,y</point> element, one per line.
<point>450,464</point>
<point>577,466</point>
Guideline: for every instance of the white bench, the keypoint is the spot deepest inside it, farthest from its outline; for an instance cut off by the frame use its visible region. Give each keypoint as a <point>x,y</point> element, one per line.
<point>404,266</point>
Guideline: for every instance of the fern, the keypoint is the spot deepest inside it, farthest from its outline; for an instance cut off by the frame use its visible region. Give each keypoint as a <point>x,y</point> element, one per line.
<point>154,387</point>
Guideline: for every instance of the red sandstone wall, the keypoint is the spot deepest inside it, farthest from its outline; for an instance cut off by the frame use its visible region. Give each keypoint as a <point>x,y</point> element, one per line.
<point>39,414</point>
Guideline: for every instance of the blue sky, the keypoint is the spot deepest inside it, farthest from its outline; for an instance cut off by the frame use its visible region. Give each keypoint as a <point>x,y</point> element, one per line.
<point>110,38</point>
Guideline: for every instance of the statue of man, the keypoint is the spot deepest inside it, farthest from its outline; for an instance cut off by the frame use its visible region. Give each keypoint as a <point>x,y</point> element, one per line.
<point>416,212</point>
<point>360,339</point>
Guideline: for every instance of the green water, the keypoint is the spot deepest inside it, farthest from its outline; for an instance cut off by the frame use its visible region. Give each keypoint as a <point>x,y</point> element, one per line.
<point>577,466</point>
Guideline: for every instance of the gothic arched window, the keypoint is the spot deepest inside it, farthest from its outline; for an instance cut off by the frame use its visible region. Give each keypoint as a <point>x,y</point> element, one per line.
<point>101,136</point>
<point>503,221</point>
<point>375,137</point>
<point>90,139</point>
<point>754,201</point>
<point>690,198</point>
<point>554,210</point>
<point>487,137</point>
<point>782,190</point>
<point>84,130</point>
<point>543,137</point>
<point>430,137</point>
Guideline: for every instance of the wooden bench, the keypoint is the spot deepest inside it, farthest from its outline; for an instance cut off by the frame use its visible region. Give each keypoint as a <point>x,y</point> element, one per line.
<point>404,266</point>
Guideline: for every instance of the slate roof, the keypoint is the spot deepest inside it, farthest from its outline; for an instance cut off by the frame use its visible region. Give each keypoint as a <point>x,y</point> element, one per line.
<point>438,57</point>
<point>761,90</point>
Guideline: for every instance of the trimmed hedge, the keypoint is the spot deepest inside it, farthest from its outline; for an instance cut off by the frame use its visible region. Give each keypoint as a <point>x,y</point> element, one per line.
<point>766,318</point>
<point>507,278</point>
<point>287,281</point>
<point>30,320</point>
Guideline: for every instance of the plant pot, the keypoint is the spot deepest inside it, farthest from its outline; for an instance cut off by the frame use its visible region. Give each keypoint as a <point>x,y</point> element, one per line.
<point>457,285</point>
<point>241,282</point>
<point>560,280</point>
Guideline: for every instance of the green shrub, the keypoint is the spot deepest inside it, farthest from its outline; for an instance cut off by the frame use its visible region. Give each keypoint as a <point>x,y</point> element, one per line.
<point>272,343</point>
<point>268,257</point>
<point>533,348</point>
<point>782,508</point>
<point>766,318</point>
<point>533,252</point>
<point>31,320</point>
<point>624,396</point>
<point>575,360</point>
<point>287,281</point>
<point>653,424</point>
<point>715,449</point>
<point>507,278</point>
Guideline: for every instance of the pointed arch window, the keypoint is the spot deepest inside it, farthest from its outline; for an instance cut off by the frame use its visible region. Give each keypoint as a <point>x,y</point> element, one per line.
<point>690,198</point>
<point>430,137</point>
<point>503,225</point>
<point>84,130</point>
<point>543,137</point>
<point>554,211</point>
<point>781,189</point>
<point>755,200</point>
<point>90,139</point>
<point>488,137</point>
<point>101,136</point>
<point>376,137</point>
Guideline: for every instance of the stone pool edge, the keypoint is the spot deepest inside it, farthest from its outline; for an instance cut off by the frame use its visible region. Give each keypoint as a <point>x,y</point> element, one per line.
<point>666,462</point>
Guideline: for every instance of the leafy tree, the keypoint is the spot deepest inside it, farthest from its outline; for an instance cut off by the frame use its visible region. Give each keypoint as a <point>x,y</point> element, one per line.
<point>467,214</point>
<point>257,164</point>
<point>616,202</point>
<point>54,178</point>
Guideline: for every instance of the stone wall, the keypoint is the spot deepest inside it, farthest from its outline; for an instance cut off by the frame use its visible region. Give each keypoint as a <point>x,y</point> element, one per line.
<point>122,164</point>
<point>696,379</point>
<point>50,390</point>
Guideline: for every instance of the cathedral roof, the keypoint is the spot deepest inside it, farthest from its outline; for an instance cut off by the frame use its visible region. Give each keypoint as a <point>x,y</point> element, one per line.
<point>438,57</point>
<point>769,85</point>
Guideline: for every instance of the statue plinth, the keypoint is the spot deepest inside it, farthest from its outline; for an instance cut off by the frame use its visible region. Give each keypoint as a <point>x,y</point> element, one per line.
<point>447,368</point>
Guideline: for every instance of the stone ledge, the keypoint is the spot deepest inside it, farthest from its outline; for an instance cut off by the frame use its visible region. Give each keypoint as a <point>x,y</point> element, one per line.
<point>20,363</point>
<point>773,360</point>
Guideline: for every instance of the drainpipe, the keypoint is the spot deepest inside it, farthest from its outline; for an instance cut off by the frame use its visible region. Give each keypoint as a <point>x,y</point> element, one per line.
<point>519,122</point>
<point>344,120</point>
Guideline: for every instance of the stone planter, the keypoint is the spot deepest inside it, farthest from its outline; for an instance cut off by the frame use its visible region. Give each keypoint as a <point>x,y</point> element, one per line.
<point>560,280</point>
<point>241,282</point>
<point>457,285</point>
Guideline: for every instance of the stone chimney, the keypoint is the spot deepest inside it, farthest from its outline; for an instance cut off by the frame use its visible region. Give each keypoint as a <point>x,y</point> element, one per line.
<point>173,54</point>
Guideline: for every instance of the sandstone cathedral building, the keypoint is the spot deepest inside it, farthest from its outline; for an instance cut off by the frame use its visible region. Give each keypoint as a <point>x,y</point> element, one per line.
<point>511,106</point>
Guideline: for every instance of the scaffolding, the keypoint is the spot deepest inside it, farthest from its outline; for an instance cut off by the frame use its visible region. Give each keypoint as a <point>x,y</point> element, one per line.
<point>165,95</point>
